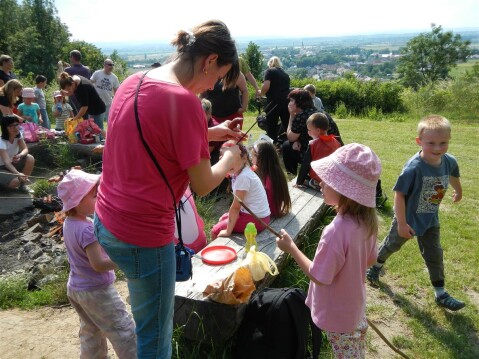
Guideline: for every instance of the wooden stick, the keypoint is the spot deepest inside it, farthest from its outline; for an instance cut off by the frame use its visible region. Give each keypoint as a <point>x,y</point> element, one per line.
<point>17,175</point>
<point>268,227</point>
<point>381,335</point>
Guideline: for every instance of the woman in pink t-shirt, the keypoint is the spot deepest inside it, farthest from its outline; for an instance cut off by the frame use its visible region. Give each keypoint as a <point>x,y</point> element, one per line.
<point>135,217</point>
<point>346,249</point>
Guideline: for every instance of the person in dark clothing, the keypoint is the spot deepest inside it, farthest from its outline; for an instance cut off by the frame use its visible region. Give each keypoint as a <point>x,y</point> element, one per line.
<point>89,101</point>
<point>276,88</point>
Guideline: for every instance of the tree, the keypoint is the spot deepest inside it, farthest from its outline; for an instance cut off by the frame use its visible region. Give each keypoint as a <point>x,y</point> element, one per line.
<point>430,56</point>
<point>254,58</point>
<point>33,35</point>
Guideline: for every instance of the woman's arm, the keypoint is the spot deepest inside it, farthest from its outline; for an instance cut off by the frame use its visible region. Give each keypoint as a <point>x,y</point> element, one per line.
<point>241,83</point>
<point>233,214</point>
<point>81,112</point>
<point>204,178</point>
<point>292,136</point>
<point>8,162</point>
<point>265,87</point>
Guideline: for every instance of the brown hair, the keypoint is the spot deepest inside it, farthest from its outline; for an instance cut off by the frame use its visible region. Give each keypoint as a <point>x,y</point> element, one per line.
<point>301,98</point>
<point>319,120</point>
<point>210,37</point>
<point>362,214</point>
<point>268,163</point>
<point>65,80</point>
<point>4,58</point>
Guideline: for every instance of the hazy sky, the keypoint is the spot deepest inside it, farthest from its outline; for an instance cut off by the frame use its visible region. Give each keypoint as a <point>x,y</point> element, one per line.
<point>139,20</point>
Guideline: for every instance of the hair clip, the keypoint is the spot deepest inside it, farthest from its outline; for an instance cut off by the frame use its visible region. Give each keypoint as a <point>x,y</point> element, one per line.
<point>191,38</point>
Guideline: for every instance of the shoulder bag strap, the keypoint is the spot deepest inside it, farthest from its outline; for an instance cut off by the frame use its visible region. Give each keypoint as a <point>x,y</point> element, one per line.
<point>157,165</point>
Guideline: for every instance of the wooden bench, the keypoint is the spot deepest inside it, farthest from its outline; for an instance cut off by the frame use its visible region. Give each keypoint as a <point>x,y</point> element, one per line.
<point>205,320</point>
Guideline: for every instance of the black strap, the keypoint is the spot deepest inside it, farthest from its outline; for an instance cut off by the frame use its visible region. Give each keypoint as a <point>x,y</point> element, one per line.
<point>157,165</point>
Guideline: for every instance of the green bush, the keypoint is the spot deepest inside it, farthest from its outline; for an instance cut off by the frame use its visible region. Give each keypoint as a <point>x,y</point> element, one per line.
<point>456,99</point>
<point>357,95</point>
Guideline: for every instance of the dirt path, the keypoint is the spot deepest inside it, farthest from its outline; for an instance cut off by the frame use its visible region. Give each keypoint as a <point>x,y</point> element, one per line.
<point>45,333</point>
<point>50,333</point>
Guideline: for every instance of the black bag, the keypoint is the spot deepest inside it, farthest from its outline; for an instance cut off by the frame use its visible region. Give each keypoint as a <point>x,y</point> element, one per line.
<point>184,267</point>
<point>275,325</point>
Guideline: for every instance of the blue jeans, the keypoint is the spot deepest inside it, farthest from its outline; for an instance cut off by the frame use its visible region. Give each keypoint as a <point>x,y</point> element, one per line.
<point>151,274</point>
<point>46,120</point>
<point>99,119</point>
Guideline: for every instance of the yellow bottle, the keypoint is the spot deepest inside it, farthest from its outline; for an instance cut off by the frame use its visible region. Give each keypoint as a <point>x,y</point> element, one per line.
<point>250,233</point>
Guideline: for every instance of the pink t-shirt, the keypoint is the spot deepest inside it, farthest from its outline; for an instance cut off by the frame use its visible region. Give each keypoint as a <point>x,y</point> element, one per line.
<point>134,203</point>
<point>268,186</point>
<point>340,263</point>
<point>78,235</point>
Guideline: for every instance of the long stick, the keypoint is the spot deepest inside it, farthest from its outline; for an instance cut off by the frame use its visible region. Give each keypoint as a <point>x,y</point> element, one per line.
<point>268,227</point>
<point>17,175</point>
<point>381,335</point>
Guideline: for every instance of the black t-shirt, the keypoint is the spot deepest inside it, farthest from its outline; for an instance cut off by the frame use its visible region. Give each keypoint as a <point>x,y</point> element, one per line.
<point>4,101</point>
<point>6,77</point>
<point>279,84</point>
<point>86,95</point>
<point>224,103</point>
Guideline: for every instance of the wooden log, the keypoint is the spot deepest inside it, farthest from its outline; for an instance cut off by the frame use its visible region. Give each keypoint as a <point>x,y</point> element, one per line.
<point>205,320</point>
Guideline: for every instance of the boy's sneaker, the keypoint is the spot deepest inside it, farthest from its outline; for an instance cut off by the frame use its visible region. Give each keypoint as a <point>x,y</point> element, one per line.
<point>372,275</point>
<point>449,302</point>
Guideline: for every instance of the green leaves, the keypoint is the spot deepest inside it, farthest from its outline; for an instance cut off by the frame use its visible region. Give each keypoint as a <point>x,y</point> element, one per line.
<point>429,57</point>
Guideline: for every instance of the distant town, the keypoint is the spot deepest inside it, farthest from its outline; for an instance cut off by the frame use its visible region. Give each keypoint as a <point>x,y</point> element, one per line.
<point>366,57</point>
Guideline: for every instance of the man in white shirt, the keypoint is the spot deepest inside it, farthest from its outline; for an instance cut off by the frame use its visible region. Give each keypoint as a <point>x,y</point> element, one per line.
<point>106,84</point>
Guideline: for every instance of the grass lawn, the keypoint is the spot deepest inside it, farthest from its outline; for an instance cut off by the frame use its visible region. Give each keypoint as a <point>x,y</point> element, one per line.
<point>404,306</point>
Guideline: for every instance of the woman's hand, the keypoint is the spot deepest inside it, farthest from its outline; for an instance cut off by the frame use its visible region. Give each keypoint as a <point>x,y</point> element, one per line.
<point>223,133</point>
<point>297,146</point>
<point>22,178</point>
<point>16,158</point>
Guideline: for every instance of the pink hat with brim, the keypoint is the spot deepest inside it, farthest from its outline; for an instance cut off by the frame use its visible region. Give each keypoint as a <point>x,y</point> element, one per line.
<point>352,170</point>
<point>74,186</point>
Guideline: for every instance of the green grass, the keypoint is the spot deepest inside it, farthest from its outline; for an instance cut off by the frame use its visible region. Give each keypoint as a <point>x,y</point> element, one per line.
<point>406,297</point>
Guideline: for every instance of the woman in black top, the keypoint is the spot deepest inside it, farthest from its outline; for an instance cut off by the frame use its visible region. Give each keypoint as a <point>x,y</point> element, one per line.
<point>85,93</point>
<point>276,87</point>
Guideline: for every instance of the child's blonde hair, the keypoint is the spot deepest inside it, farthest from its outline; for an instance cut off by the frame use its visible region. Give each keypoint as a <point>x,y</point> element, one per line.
<point>433,122</point>
<point>310,88</point>
<point>362,214</point>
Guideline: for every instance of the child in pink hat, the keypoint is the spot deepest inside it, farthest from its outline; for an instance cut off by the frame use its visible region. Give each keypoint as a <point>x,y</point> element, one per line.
<point>90,286</point>
<point>346,249</point>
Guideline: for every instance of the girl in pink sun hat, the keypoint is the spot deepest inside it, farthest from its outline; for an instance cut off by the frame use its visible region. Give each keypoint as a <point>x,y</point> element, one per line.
<point>90,288</point>
<point>337,294</point>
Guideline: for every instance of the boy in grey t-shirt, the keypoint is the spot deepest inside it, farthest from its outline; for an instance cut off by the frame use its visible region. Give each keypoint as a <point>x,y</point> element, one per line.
<point>419,191</point>
<point>41,82</point>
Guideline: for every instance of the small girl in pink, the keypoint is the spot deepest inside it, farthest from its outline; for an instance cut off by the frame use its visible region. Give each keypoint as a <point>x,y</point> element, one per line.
<point>247,186</point>
<point>90,283</point>
<point>337,294</point>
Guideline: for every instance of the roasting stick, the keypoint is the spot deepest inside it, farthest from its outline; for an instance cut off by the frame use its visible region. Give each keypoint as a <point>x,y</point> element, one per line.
<point>376,329</point>
<point>268,227</point>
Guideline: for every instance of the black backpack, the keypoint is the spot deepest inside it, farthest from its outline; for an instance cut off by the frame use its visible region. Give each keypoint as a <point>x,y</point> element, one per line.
<point>275,325</point>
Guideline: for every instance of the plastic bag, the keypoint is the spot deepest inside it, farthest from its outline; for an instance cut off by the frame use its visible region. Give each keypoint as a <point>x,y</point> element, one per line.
<point>70,126</point>
<point>235,289</point>
<point>259,264</point>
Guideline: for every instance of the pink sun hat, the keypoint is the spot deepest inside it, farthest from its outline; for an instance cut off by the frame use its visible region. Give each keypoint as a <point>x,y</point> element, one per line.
<point>74,186</point>
<point>352,170</point>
